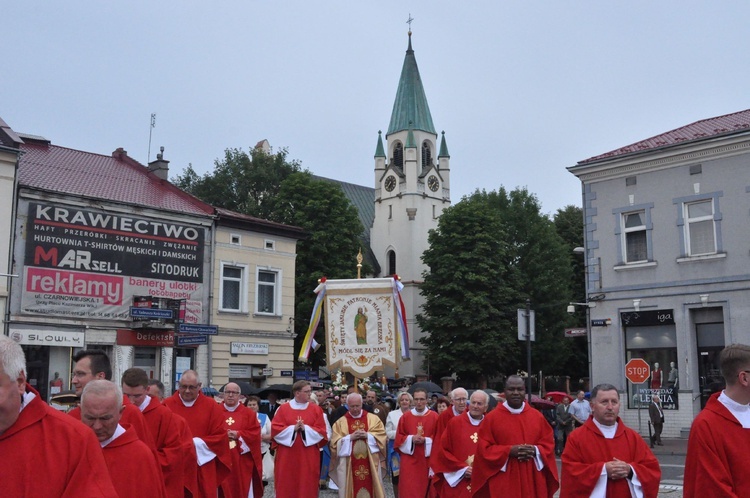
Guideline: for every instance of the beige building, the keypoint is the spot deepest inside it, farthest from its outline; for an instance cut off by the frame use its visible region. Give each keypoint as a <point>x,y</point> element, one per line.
<point>9,153</point>
<point>253,300</point>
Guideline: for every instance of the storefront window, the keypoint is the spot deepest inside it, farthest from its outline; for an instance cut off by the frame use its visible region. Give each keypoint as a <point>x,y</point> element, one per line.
<point>652,336</point>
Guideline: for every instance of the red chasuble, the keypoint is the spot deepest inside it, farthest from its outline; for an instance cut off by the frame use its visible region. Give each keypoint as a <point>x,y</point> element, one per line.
<point>415,468</point>
<point>172,452</point>
<point>437,446</point>
<point>359,460</point>
<point>297,467</point>
<point>247,467</point>
<point>459,445</point>
<point>586,452</point>
<point>500,430</point>
<point>46,453</point>
<point>716,462</point>
<point>131,416</point>
<point>206,421</point>
<point>132,467</point>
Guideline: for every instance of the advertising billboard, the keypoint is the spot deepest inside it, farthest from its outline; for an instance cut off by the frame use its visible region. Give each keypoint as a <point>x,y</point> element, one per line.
<point>89,263</point>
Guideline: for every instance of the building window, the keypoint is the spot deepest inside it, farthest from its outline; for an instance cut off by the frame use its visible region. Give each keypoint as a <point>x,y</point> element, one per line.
<point>426,154</point>
<point>398,155</point>
<point>268,296</point>
<point>634,230</point>
<point>391,262</point>
<point>270,245</point>
<point>235,239</point>
<point>700,230</point>
<point>233,278</point>
<point>634,237</point>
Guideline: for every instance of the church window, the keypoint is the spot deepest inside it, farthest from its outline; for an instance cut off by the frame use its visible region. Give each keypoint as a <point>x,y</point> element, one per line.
<point>398,155</point>
<point>391,262</point>
<point>426,154</point>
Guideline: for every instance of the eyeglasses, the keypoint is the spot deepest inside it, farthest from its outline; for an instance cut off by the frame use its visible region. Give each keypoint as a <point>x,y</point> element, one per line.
<point>189,388</point>
<point>232,393</point>
<point>460,400</point>
<point>306,391</point>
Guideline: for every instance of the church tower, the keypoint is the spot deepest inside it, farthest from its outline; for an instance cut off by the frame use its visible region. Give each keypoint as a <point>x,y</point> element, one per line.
<point>412,187</point>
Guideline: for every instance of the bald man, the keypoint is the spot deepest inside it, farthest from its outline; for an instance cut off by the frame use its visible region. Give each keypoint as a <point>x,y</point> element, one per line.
<point>243,430</point>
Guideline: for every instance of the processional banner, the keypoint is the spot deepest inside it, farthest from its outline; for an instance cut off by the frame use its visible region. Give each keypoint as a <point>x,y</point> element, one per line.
<point>364,324</point>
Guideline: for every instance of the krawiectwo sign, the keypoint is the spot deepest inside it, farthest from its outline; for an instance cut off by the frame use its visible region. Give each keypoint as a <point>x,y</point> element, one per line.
<point>85,263</point>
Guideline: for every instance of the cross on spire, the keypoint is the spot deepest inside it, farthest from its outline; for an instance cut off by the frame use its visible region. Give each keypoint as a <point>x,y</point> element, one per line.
<point>409,21</point>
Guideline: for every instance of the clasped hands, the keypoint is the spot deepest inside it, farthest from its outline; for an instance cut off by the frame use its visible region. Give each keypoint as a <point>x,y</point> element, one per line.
<point>617,469</point>
<point>299,426</point>
<point>523,452</point>
<point>358,434</point>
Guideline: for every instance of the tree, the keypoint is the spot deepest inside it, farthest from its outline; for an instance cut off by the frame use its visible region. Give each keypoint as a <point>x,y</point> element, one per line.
<point>322,209</point>
<point>245,183</point>
<point>511,252</point>
<point>469,291</point>
<point>271,187</point>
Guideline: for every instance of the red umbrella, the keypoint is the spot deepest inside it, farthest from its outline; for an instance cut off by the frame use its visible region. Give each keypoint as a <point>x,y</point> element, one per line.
<point>557,396</point>
<point>541,404</point>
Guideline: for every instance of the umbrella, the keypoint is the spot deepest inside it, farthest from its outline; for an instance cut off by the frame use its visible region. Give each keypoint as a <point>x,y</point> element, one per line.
<point>540,403</point>
<point>209,391</point>
<point>67,398</point>
<point>430,387</point>
<point>245,388</point>
<point>557,396</point>
<point>281,390</point>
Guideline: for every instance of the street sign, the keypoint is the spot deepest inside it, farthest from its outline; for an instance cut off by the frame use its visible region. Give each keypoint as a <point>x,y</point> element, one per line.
<point>521,315</point>
<point>191,340</point>
<point>189,328</point>
<point>150,313</point>
<point>268,372</point>
<point>601,322</point>
<point>287,373</point>
<point>637,371</point>
<point>575,332</point>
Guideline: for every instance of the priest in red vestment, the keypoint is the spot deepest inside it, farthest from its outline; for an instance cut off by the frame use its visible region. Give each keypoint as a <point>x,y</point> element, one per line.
<point>358,445</point>
<point>206,421</point>
<point>459,397</point>
<point>716,463</point>
<point>299,431</point>
<point>132,465</point>
<point>454,463</point>
<point>516,454</point>
<point>43,452</point>
<point>176,457</point>
<point>604,458</point>
<point>415,436</point>
<point>93,364</point>
<point>243,430</point>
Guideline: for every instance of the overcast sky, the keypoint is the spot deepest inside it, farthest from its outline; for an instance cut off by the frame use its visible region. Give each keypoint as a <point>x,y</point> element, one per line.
<point>521,89</point>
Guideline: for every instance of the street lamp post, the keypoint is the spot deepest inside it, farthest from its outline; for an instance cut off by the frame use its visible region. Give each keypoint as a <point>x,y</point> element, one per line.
<point>588,304</point>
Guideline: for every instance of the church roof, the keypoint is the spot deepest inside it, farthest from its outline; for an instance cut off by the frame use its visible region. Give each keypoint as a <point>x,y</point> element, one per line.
<point>410,110</point>
<point>443,148</point>
<point>379,150</point>
<point>700,130</point>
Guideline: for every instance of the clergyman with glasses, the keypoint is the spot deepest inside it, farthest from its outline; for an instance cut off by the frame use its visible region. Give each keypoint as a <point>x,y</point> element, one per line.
<point>299,431</point>
<point>206,420</point>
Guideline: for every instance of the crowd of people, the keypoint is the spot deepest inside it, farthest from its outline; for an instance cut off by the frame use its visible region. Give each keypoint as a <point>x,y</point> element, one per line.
<point>127,439</point>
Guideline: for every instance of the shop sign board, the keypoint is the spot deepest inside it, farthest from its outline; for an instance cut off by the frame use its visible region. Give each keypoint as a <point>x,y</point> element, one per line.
<point>248,348</point>
<point>41,337</point>
<point>91,263</point>
<point>145,338</point>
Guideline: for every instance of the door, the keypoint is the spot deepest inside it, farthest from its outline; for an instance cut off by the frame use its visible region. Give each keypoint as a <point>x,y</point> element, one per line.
<point>710,342</point>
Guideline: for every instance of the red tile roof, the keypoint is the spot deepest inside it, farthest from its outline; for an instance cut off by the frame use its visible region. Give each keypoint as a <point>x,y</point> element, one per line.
<point>700,130</point>
<point>117,178</point>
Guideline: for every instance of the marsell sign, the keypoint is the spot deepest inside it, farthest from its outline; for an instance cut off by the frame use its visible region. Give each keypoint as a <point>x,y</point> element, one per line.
<point>145,337</point>
<point>637,371</point>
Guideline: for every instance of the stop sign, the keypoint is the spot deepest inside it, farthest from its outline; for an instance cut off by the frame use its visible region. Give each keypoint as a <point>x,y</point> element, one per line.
<point>637,371</point>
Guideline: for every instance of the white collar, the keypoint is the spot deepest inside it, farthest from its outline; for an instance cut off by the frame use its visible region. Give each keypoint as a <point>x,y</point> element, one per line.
<point>738,410</point>
<point>298,406</point>
<point>455,413</point>
<point>607,430</point>
<point>420,414</point>
<point>118,432</point>
<point>358,416</point>
<point>231,408</point>
<point>475,422</point>
<point>514,411</point>
<point>145,403</point>
<point>27,397</point>
<point>188,404</point>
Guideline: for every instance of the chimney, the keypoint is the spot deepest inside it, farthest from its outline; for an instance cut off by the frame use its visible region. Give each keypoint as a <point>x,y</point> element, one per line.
<point>160,167</point>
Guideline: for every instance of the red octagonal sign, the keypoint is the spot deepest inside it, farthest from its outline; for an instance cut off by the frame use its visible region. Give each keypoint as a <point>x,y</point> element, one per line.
<point>637,371</point>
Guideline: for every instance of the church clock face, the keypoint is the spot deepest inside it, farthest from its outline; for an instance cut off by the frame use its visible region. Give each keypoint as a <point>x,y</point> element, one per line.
<point>390,183</point>
<point>433,183</point>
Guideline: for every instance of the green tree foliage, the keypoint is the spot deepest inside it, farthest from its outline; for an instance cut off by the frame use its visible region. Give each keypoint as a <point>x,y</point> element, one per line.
<point>271,187</point>
<point>245,183</point>
<point>569,225</point>
<point>322,209</point>
<point>491,252</point>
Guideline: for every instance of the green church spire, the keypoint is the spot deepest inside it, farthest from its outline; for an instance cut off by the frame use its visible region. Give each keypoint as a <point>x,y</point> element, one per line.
<point>443,147</point>
<point>410,110</point>
<point>379,149</point>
